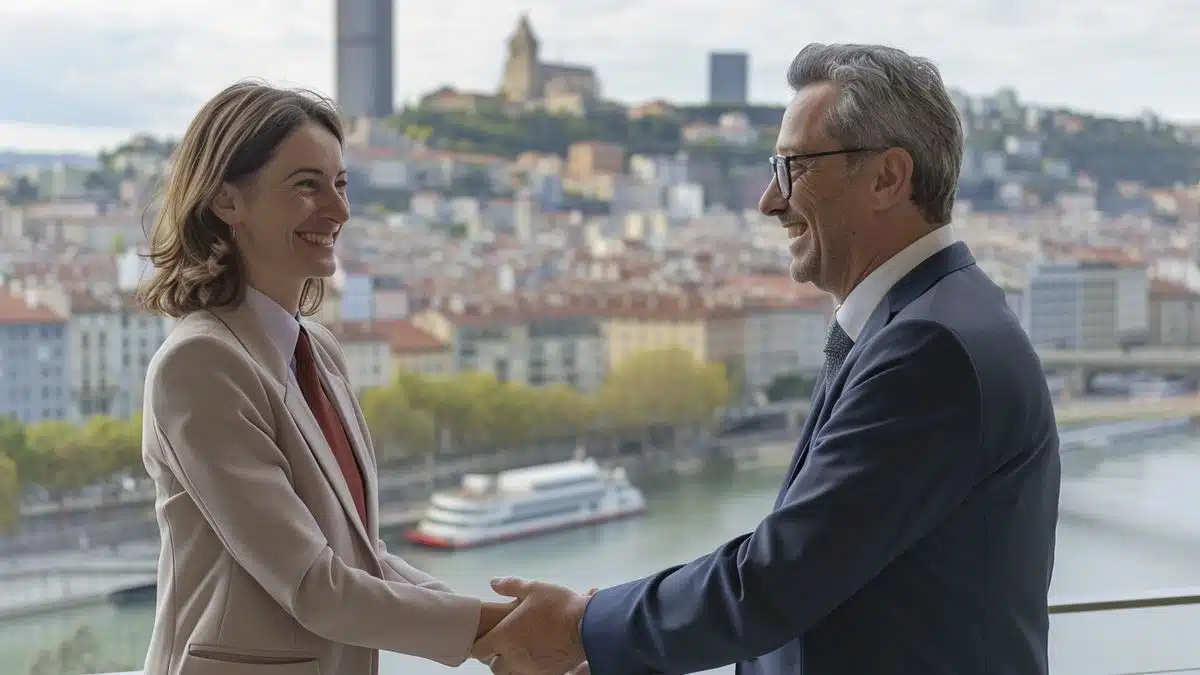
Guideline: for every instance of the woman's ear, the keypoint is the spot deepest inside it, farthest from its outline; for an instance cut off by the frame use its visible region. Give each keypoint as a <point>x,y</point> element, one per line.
<point>228,205</point>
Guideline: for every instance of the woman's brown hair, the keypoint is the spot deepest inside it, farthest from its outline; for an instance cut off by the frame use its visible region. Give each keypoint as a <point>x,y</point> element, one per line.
<point>196,264</point>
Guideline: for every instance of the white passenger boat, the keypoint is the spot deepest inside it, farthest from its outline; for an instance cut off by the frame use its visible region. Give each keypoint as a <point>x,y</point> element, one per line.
<point>526,502</point>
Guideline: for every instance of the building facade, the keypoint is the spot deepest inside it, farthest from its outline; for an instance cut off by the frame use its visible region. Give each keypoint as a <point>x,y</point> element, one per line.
<point>365,53</point>
<point>728,78</point>
<point>111,342</point>
<point>34,383</point>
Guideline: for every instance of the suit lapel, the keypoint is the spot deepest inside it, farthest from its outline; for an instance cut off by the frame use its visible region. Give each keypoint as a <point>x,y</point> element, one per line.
<point>815,403</point>
<point>351,416</point>
<point>297,405</point>
<point>909,288</point>
<point>353,422</point>
<point>247,328</point>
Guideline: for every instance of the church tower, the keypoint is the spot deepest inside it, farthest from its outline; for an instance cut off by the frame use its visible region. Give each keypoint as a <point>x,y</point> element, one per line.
<point>522,79</point>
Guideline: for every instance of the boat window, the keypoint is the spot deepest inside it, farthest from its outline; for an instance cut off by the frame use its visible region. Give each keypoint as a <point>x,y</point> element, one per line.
<point>465,510</point>
<point>566,482</point>
<point>545,513</point>
<point>548,505</point>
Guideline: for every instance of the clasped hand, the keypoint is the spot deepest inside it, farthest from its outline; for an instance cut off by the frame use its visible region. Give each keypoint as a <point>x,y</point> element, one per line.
<point>540,636</point>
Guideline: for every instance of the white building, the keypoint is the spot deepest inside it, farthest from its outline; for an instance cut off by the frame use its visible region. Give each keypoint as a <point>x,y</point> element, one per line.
<point>1086,305</point>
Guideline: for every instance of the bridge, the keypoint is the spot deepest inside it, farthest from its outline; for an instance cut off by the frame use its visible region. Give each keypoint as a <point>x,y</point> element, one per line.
<point>789,415</point>
<point>1157,360</point>
<point>1097,412</point>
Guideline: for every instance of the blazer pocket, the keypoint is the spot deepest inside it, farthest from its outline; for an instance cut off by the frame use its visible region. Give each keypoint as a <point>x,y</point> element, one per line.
<point>214,660</point>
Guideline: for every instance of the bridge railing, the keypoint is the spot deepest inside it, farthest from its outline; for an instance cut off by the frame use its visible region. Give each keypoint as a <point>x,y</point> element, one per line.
<point>1150,633</point>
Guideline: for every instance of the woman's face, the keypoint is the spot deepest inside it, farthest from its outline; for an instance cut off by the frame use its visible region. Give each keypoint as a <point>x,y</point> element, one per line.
<point>286,219</point>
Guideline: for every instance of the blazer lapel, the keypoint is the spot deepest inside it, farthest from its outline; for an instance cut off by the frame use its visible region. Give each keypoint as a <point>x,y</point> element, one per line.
<point>909,288</point>
<point>814,412</point>
<point>353,421</point>
<point>297,405</point>
<point>247,328</point>
<point>354,425</point>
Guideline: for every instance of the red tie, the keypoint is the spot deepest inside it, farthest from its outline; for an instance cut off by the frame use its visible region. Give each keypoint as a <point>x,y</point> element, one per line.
<point>330,421</point>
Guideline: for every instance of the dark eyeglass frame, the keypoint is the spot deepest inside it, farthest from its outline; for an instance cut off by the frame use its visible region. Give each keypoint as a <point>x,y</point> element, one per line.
<point>782,165</point>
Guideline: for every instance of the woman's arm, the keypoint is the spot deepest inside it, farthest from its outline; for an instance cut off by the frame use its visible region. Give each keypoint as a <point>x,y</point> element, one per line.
<point>211,430</point>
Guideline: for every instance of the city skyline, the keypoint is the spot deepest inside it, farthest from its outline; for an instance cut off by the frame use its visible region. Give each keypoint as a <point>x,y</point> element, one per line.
<point>1110,59</point>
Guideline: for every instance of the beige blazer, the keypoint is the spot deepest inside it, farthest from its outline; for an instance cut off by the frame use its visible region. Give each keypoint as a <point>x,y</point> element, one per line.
<point>266,568</point>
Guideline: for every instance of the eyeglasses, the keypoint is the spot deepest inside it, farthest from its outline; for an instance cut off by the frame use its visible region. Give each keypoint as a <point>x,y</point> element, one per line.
<point>782,165</point>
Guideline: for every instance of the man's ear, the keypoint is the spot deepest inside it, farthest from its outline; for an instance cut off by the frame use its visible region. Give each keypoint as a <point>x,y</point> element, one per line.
<point>228,205</point>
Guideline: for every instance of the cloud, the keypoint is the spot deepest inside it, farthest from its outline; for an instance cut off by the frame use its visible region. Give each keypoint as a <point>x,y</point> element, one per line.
<point>151,64</point>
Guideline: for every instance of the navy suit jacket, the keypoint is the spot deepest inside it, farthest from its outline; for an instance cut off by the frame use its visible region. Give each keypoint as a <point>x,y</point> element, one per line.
<point>914,532</point>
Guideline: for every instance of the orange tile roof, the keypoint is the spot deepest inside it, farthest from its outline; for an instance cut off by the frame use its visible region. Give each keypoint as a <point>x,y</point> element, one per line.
<point>15,310</point>
<point>406,338</point>
<point>1168,289</point>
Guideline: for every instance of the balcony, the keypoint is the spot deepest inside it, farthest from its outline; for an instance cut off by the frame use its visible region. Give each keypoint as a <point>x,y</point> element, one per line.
<point>1146,634</point>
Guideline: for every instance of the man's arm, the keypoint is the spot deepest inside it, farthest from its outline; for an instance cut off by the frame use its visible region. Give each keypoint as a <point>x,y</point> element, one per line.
<point>220,447</point>
<point>900,451</point>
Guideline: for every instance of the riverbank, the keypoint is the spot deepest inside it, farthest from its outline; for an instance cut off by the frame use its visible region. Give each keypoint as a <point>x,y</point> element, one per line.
<point>29,585</point>
<point>45,584</point>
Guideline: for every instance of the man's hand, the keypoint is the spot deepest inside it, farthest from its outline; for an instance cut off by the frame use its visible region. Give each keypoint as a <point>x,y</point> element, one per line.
<point>540,636</point>
<point>491,614</point>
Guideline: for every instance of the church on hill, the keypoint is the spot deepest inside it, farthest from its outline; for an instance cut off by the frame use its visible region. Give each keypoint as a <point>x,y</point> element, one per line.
<point>528,79</point>
<point>528,83</point>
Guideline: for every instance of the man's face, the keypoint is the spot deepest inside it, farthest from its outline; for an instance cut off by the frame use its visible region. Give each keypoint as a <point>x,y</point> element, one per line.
<point>822,215</point>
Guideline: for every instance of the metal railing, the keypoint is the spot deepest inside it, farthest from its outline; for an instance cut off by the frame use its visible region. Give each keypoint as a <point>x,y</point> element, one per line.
<point>1115,651</point>
<point>1152,600</point>
<point>1150,633</point>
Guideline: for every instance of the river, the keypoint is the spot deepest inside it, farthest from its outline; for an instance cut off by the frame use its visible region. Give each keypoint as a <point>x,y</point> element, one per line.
<point>1130,522</point>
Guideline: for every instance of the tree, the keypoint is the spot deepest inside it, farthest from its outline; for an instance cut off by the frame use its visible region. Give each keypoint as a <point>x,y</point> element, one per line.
<point>562,412</point>
<point>115,445</point>
<point>399,429</point>
<point>66,455</point>
<point>513,414</point>
<point>663,387</point>
<point>10,495</point>
<point>13,444</point>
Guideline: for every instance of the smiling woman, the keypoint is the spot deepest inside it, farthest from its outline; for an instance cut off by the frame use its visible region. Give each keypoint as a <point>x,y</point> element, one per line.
<point>257,166</point>
<point>264,471</point>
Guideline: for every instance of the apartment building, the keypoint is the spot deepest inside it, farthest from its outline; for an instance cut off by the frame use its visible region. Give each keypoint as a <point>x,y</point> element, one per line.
<point>368,354</point>
<point>547,341</point>
<point>110,343</point>
<point>1086,305</point>
<point>415,350</point>
<point>785,336</point>
<point>34,380</point>
<point>638,322</point>
<point>1174,315</point>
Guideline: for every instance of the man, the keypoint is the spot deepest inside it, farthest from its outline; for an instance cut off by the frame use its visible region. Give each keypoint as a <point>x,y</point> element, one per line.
<point>914,532</point>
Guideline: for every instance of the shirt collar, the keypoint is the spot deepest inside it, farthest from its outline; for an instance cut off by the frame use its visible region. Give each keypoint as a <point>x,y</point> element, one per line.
<point>282,328</point>
<point>853,314</point>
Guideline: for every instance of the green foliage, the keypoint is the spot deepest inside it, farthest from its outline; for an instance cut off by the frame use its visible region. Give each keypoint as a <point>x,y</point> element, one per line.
<point>1108,150</point>
<point>497,133</point>
<point>61,456</point>
<point>475,410</point>
<point>10,495</point>
<point>663,387</point>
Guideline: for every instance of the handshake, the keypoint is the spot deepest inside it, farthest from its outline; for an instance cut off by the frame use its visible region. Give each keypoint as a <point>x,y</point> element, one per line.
<point>537,633</point>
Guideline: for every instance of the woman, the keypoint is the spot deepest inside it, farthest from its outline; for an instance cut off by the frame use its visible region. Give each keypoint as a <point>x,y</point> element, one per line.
<point>265,477</point>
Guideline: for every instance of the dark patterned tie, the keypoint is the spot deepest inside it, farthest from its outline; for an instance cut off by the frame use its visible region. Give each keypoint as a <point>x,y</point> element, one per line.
<point>837,347</point>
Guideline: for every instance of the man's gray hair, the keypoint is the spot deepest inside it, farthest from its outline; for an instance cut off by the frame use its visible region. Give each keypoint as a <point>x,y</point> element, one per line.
<point>889,98</point>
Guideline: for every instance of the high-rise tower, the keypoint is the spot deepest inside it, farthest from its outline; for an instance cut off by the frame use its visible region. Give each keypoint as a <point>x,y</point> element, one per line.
<point>365,53</point>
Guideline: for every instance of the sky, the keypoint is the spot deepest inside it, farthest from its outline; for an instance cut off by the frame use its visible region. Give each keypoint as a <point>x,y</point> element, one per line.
<point>79,75</point>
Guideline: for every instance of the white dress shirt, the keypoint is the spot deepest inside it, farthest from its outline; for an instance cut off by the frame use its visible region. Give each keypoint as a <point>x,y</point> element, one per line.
<point>282,328</point>
<point>852,315</point>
